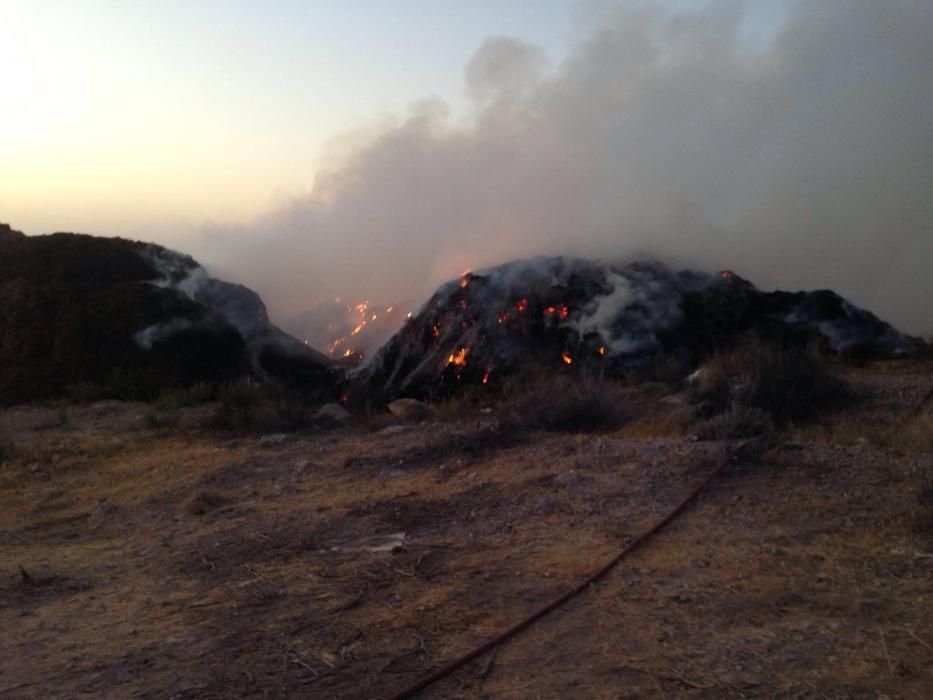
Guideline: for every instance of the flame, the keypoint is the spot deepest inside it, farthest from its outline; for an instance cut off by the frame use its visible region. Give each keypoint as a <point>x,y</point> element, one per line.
<point>522,304</point>
<point>602,349</point>
<point>562,311</point>
<point>503,317</point>
<point>410,314</point>
<point>437,330</point>
<point>726,274</point>
<point>565,356</point>
<point>459,358</point>
<point>347,352</point>
<point>359,328</point>
<point>486,378</point>
<point>389,309</point>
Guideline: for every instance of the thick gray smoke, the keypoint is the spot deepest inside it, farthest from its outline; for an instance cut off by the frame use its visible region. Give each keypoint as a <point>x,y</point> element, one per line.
<point>803,163</point>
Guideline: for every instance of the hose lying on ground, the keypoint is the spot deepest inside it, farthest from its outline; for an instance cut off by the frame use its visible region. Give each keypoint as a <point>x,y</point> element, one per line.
<point>743,449</point>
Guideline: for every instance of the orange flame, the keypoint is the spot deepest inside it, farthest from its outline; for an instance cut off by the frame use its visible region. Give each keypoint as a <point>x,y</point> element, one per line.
<point>486,378</point>
<point>565,356</point>
<point>459,358</point>
<point>602,349</point>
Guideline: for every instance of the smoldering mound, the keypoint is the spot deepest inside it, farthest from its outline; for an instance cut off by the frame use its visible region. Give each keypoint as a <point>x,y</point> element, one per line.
<point>569,313</point>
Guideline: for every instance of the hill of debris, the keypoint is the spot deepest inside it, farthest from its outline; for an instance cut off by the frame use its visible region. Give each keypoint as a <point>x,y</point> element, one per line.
<point>567,314</point>
<point>127,318</point>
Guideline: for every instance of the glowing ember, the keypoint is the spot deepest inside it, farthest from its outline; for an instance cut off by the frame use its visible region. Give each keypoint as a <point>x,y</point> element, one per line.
<point>726,274</point>
<point>437,330</point>
<point>347,352</point>
<point>459,358</point>
<point>602,349</point>
<point>358,328</point>
<point>410,314</point>
<point>389,309</point>
<point>522,304</point>
<point>486,378</point>
<point>560,311</point>
<point>503,317</point>
<point>565,356</point>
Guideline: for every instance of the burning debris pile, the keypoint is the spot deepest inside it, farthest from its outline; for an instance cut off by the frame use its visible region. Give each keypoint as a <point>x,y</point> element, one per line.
<point>563,313</point>
<point>349,333</point>
<point>129,318</point>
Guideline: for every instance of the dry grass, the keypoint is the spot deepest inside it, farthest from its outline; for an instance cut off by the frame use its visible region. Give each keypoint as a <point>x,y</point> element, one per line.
<point>579,403</point>
<point>748,389</point>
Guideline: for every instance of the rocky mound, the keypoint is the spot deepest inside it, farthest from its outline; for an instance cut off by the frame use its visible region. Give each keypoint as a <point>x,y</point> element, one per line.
<point>569,313</point>
<point>130,318</point>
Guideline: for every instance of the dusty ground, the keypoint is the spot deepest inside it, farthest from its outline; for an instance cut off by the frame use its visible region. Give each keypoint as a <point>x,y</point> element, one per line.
<point>179,564</point>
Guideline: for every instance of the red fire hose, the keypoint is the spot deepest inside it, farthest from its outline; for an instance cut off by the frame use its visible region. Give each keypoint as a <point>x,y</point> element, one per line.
<point>496,641</point>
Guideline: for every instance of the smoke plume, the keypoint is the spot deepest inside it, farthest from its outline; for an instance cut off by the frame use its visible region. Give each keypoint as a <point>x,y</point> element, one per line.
<point>803,162</point>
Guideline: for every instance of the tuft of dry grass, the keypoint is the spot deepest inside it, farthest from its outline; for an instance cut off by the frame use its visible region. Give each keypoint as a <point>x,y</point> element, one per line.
<point>756,385</point>
<point>582,403</point>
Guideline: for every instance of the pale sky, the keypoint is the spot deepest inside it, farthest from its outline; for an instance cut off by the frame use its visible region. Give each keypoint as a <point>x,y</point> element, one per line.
<point>150,119</point>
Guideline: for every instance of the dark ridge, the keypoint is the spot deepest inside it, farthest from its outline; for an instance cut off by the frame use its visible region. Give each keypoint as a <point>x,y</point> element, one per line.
<point>124,318</point>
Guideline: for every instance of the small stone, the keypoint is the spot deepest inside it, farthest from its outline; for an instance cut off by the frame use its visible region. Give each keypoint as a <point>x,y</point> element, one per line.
<point>332,414</point>
<point>272,439</point>
<point>409,409</point>
<point>544,506</point>
<point>568,479</point>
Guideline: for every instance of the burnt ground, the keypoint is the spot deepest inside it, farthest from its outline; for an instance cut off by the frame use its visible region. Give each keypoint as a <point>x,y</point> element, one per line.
<point>180,564</point>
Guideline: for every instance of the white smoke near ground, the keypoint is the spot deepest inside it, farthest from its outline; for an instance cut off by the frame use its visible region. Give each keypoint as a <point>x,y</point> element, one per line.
<point>806,162</point>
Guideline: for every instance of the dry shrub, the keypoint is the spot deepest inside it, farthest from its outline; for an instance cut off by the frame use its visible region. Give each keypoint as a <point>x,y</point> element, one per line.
<point>246,407</point>
<point>204,502</point>
<point>574,403</point>
<point>7,449</point>
<point>237,406</point>
<point>756,385</point>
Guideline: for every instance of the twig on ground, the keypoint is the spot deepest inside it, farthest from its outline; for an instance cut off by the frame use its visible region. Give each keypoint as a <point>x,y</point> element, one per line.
<point>884,647</point>
<point>488,667</point>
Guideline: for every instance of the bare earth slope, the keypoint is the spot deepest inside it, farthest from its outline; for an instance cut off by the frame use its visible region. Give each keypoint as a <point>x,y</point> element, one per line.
<point>185,565</point>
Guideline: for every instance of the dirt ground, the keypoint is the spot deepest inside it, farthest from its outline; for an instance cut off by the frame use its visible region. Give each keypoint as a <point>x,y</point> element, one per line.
<point>176,563</point>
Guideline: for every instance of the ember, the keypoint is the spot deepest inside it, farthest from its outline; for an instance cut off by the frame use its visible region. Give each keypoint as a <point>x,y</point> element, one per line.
<point>565,356</point>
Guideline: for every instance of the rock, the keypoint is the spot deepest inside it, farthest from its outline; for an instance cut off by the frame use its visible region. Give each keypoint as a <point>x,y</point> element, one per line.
<point>332,414</point>
<point>105,508</point>
<point>568,479</point>
<point>272,440</point>
<point>393,429</point>
<point>544,506</point>
<point>409,409</point>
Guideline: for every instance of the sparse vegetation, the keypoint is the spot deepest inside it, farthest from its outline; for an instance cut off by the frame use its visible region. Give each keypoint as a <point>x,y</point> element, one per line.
<point>579,403</point>
<point>756,385</point>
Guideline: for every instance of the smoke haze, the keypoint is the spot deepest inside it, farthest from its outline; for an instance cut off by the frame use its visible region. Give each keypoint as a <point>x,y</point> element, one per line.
<point>806,163</point>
